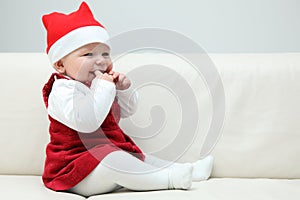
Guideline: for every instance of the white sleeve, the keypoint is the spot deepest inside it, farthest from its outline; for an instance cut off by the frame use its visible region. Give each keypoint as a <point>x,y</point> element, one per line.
<point>128,101</point>
<point>79,107</point>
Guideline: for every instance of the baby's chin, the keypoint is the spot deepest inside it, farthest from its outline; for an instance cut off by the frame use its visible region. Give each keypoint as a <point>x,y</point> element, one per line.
<point>87,83</point>
<point>88,80</point>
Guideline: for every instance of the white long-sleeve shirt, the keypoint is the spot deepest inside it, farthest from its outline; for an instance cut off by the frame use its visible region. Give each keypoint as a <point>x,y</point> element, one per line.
<point>84,109</point>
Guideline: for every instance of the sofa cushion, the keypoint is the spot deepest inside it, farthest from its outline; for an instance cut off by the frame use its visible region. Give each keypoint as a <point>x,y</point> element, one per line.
<point>30,187</point>
<point>219,188</point>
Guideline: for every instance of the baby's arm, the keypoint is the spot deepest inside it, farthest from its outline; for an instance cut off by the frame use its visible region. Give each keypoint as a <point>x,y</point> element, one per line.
<point>79,107</point>
<point>127,97</point>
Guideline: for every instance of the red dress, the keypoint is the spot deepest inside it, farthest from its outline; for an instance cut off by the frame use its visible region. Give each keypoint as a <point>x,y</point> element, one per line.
<point>71,155</point>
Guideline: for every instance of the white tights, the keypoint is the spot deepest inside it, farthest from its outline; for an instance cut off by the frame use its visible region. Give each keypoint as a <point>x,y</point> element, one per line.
<point>120,169</point>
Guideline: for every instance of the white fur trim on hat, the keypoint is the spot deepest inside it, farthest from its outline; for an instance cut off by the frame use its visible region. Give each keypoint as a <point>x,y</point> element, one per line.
<point>75,39</point>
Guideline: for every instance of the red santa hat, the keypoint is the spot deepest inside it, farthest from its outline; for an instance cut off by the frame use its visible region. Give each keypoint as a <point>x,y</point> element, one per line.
<point>66,33</point>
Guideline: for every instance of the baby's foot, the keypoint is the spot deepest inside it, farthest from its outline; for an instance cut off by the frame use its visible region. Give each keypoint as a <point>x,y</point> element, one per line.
<point>180,176</point>
<point>202,168</point>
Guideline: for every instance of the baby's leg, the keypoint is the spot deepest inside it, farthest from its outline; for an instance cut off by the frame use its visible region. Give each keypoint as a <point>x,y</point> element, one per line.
<point>120,168</point>
<point>202,168</point>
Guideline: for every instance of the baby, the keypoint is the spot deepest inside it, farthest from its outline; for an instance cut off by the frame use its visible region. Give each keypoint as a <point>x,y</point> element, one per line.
<point>88,153</point>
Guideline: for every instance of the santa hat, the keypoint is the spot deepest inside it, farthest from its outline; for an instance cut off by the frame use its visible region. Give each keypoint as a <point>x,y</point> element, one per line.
<point>66,33</point>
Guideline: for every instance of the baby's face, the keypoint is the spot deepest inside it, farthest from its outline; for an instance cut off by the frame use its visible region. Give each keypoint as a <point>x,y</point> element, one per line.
<point>82,63</point>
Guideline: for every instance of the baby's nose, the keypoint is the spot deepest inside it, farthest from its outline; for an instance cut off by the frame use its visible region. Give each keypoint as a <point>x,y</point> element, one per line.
<point>100,60</point>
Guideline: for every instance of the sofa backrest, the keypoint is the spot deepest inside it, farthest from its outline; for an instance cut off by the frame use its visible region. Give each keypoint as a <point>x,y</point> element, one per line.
<point>23,118</point>
<point>260,133</point>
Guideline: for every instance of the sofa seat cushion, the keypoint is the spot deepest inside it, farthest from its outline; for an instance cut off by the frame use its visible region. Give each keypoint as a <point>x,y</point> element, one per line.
<point>14,187</point>
<point>219,188</point>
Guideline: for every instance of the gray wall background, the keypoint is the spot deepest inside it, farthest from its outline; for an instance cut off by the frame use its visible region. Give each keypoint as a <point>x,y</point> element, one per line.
<point>219,26</point>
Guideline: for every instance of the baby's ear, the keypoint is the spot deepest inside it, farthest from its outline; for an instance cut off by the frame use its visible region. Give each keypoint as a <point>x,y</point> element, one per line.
<point>59,67</point>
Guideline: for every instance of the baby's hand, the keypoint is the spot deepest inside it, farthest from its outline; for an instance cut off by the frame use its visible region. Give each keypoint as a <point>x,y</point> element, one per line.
<point>122,82</point>
<point>104,76</point>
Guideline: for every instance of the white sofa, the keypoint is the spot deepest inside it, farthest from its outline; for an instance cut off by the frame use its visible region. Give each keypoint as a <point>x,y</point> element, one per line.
<point>257,155</point>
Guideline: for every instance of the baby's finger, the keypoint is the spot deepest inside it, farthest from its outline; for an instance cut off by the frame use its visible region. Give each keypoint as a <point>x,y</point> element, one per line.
<point>116,79</point>
<point>107,77</point>
<point>111,72</point>
<point>98,73</point>
<point>121,77</point>
<point>116,75</point>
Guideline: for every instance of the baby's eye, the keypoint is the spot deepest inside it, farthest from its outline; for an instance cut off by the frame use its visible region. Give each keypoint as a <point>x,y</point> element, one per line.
<point>105,54</point>
<point>88,54</point>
